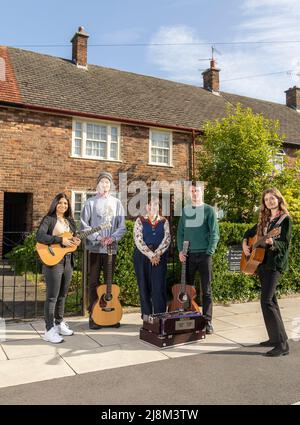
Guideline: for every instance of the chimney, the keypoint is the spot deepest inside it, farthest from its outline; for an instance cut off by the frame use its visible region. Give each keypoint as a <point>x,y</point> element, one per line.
<point>79,47</point>
<point>211,78</point>
<point>293,98</point>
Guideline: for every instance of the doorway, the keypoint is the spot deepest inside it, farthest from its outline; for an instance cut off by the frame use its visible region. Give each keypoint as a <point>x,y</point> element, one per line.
<point>17,219</point>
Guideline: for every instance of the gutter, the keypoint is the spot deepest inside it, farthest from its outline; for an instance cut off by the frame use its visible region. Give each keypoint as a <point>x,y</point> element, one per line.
<point>70,112</point>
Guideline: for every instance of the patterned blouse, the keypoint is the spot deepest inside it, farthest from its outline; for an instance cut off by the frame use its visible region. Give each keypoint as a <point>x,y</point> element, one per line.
<point>140,243</point>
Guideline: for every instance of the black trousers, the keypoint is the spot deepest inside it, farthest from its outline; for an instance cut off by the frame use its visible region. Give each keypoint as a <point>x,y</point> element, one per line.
<point>57,279</point>
<point>98,263</point>
<point>269,305</point>
<point>202,262</point>
<point>152,282</point>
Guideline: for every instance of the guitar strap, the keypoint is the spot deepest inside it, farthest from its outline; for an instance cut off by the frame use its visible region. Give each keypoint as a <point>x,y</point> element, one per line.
<point>277,224</point>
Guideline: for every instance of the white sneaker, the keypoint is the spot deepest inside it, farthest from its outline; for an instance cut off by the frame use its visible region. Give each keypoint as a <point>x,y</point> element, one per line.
<point>63,329</point>
<point>52,336</point>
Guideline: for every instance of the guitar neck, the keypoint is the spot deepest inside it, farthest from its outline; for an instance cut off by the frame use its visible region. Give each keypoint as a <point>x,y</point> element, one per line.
<point>183,276</point>
<point>109,274</point>
<point>261,240</point>
<point>86,233</point>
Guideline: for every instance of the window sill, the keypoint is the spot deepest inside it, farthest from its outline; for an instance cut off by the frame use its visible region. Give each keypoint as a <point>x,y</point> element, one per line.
<point>93,158</point>
<point>160,165</point>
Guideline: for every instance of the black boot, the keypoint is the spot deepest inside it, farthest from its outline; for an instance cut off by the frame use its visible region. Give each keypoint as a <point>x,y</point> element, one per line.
<point>268,344</point>
<point>93,325</point>
<point>281,349</point>
<point>209,328</point>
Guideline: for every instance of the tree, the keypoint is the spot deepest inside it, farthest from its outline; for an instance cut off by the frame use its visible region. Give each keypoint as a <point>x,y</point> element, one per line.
<point>235,161</point>
<point>288,182</point>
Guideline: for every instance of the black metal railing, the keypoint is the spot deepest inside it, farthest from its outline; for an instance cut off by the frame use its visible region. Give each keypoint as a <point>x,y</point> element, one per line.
<point>22,293</point>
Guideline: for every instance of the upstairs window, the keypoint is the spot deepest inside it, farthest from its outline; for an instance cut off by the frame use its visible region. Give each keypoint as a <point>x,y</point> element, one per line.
<point>160,149</point>
<point>95,140</point>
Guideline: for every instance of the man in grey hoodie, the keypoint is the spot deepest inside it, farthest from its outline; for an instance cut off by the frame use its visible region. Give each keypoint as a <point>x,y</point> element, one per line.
<point>100,209</point>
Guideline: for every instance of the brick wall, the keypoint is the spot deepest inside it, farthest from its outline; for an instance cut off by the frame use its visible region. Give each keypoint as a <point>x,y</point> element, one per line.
<point>36,158</point>
<point>1,220</point>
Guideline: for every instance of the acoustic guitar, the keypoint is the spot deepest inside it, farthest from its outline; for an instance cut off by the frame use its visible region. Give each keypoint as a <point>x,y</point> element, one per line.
<point>52,254</point>
<point>183,295</point>
<point>107,310</point>
<point>249,264</point>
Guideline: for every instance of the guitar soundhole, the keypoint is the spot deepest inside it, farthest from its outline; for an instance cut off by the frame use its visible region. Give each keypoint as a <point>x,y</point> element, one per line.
<point>183,298</point>
<point>108,297</point>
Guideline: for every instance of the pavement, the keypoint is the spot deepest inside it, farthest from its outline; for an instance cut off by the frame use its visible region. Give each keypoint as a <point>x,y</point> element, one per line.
<point>25,358</point>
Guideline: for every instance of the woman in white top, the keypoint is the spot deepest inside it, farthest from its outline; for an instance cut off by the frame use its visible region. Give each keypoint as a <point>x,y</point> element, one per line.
<point>57,221</point>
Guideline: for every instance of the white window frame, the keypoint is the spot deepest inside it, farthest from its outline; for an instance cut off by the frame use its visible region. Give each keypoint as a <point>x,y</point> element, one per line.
<point>84,194</point>
<point>161,164</point>
<point>84,138</point>
<point>280,154</point>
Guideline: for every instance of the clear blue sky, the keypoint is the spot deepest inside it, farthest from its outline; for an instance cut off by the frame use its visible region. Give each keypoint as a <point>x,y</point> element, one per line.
<point>31,22</point>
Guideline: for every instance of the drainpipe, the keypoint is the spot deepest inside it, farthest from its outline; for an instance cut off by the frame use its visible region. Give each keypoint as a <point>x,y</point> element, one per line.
<point>193,154</point>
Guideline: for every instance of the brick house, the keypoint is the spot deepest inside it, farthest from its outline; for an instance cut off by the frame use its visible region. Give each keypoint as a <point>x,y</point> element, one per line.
<point>63,121</point>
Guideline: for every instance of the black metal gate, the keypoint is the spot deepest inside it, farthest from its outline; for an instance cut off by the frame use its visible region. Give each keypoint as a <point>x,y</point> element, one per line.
<point>22,295</point>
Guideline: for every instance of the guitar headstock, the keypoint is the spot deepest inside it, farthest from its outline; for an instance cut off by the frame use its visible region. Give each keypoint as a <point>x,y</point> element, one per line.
<point>185,247</point>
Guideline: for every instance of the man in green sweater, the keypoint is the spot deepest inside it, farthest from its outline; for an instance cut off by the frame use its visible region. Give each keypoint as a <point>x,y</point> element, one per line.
<point>198,224</point>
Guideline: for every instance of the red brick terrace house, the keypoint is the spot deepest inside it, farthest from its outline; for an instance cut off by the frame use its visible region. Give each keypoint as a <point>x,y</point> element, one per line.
<point>62,121</point>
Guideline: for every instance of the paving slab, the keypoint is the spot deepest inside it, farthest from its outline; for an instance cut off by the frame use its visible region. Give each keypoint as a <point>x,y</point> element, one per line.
<point>243,308</point>
<point>244,320</point>
<point>113,356</point>
<point>220,324</point>
<point>2,354</point>
<point>290,313</point>
<point>73,345</point>
<point>209,344</point>
<point>126,334</point>
<point>294,301</point>
<point>20,331</point>
<point>132,319</point>
<point>252,335</point>
<point>246,335</point>
<point>222,311</point>
<point>32,369</point>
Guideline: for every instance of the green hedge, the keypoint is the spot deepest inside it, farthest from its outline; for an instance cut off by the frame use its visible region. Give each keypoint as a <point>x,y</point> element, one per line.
<point>227,286</point>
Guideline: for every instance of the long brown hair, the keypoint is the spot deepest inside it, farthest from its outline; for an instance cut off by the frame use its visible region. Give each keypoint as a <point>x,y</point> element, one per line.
<point>265,213</point>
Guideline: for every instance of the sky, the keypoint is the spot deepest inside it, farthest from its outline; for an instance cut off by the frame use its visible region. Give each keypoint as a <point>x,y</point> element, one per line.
<point>250,38</point>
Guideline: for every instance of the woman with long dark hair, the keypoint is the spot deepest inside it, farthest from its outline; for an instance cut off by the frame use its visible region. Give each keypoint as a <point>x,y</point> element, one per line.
<point>273,213</point>
<point>58,220</point>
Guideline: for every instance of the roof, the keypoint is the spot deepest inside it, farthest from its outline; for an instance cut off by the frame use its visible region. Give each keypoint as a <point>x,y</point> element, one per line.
<point>52,82</point>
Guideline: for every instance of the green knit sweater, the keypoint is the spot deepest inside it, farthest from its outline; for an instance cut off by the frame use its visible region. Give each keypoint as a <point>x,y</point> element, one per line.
<point>199,226</point>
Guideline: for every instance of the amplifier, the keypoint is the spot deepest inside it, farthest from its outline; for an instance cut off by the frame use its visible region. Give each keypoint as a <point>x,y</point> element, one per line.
<point>175,322</point>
